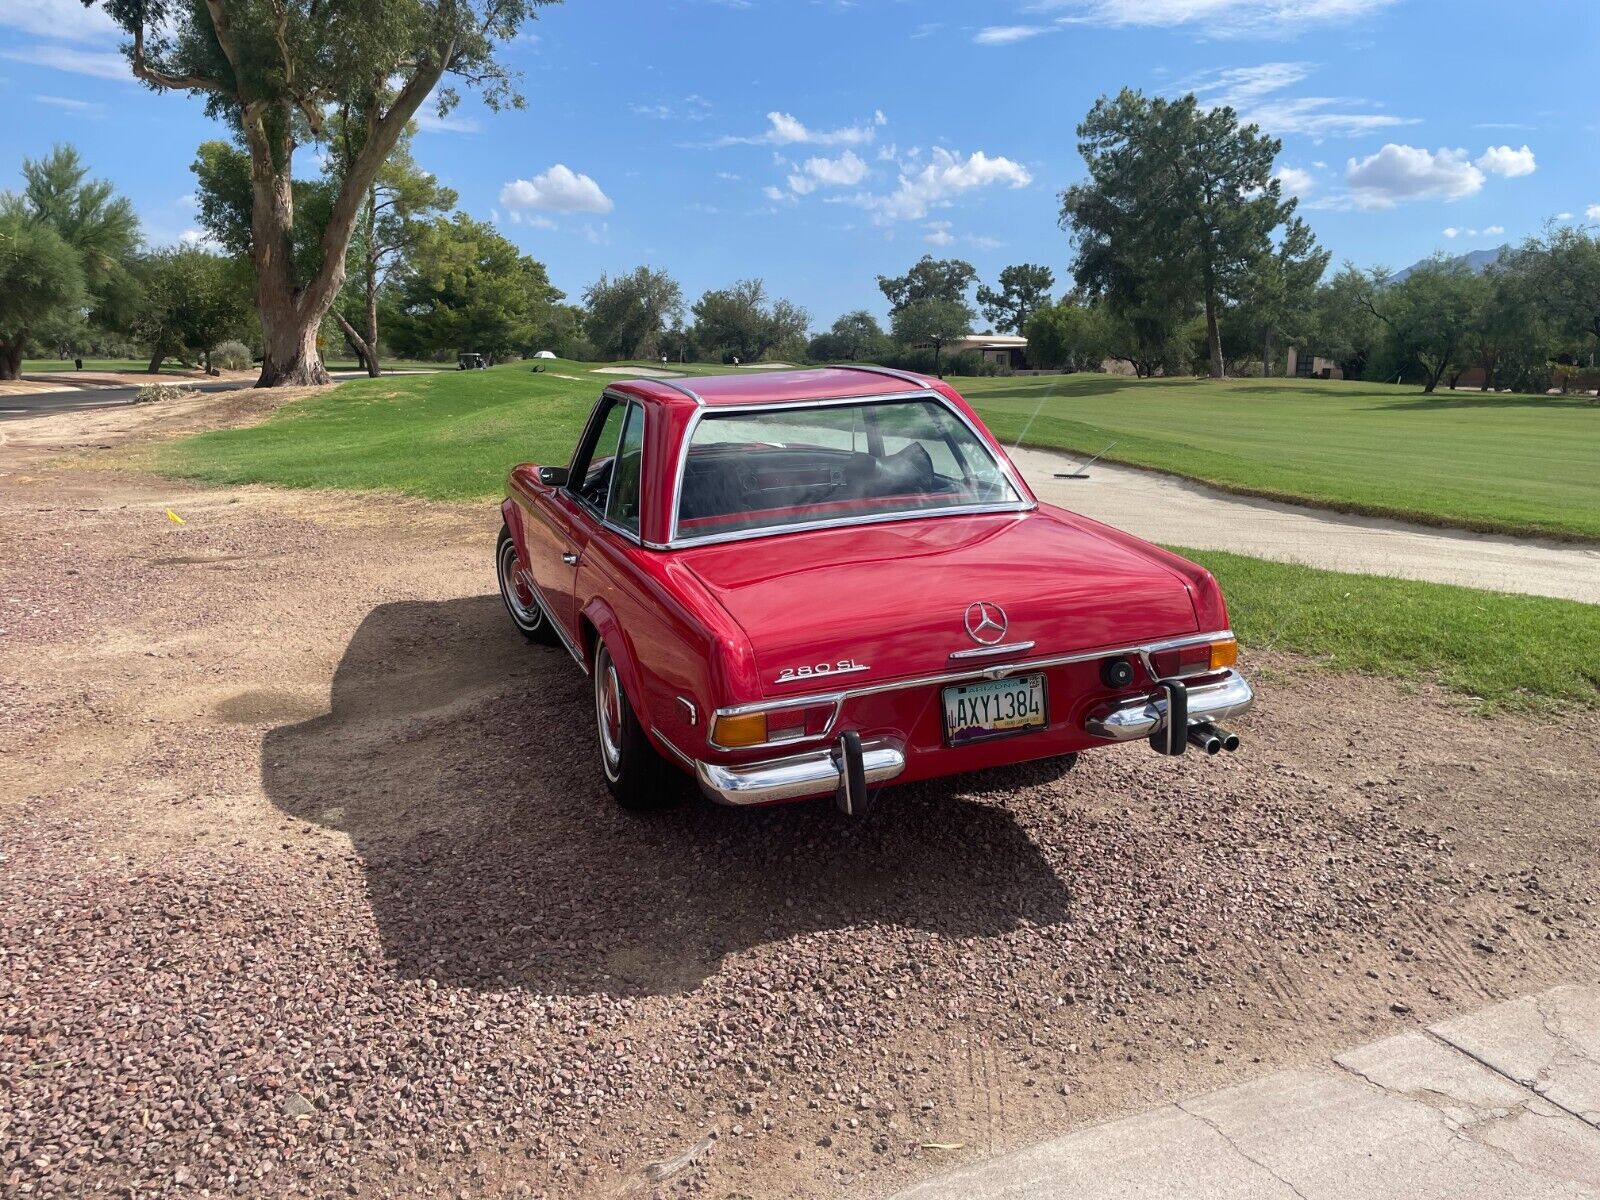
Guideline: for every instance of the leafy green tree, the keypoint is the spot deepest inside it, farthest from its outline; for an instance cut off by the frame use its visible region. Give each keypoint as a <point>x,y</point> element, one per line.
<point>41,277</point>
<point>463,287</point>
<point>1512,340</point>
<point>1023,288</point>
<point>1180,202</point>
<point>276,70</point>
<point>1068,336</point>
<point>1342,324</point>
<point>1430,315</point>
<point>192,300</point>
<point>1568,274</point>
<point>933,323</point>
<point>1277,296</point>
<point>627,316</point>
<point>738,322</point>
<point>398,206</point>
<point>943,279</point>
<point>855,336</point>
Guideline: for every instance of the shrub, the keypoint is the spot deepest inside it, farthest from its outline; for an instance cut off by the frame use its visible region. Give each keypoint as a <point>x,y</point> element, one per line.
<point>232,356</point>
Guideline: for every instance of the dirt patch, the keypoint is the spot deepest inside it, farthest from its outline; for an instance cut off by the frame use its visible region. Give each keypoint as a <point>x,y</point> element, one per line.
<point>312,886</point>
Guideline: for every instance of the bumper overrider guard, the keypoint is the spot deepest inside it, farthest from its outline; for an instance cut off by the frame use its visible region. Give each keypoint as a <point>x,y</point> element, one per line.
<point>849,765</point>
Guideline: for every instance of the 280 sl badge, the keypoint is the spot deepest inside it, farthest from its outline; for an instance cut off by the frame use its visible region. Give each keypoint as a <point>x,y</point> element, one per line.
<point>845,666</point>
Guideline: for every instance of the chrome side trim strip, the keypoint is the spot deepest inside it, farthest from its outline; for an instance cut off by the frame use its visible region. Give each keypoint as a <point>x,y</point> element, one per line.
<point>1126,720</point>
<point>561,630</point>
<point>689,710</point>
<point>999,671</point>
<point>744,535</point>
<point>891,372</point>
<point>987,651</point>
<point>677,387</point>
<point>671,746</point>
<point>814,773</point>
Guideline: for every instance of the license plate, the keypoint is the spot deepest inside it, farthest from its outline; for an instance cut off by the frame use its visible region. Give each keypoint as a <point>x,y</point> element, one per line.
<point>974,712</point>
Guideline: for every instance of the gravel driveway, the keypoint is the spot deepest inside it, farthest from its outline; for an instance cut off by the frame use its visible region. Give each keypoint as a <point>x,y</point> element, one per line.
<point>310,886</point>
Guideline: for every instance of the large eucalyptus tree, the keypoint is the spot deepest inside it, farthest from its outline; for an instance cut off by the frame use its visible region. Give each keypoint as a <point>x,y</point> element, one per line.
<point>281,72</point>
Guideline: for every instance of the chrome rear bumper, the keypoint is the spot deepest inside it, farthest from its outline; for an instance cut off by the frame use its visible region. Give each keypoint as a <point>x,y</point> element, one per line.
<point>814,773</point>
<point>1125,720</point>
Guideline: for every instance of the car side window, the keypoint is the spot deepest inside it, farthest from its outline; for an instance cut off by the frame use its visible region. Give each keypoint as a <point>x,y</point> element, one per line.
<point>622,508</point>
<point>590,480</point>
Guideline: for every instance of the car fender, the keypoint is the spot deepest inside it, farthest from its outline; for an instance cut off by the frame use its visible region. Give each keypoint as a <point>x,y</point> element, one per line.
<point>606,626</point>
<point>512,512</point>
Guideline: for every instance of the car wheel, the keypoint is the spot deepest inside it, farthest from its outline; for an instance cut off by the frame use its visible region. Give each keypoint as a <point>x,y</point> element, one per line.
<point>635,774</point>
<point>518,593</point>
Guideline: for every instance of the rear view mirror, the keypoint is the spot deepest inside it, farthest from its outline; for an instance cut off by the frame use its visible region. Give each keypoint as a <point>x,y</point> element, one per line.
<point>553,476</point>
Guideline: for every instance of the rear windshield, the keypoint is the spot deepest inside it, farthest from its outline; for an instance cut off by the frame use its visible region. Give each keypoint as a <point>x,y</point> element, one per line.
<point>798,466</point>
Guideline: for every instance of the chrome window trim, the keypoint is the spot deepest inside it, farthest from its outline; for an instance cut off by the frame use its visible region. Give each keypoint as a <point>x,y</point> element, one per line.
<point>561,630</point>
<point>999,671</point>
<point>674,542</point>
<point>634,536</point>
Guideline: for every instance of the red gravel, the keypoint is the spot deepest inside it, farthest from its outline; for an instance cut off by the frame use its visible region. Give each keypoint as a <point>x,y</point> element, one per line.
<point>309,886</point>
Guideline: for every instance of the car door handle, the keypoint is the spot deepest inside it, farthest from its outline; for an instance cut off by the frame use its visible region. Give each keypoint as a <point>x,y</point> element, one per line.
<point>570,559</point>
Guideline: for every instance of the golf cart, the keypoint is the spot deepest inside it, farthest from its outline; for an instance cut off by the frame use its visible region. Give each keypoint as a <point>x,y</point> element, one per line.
<point>470,362</point>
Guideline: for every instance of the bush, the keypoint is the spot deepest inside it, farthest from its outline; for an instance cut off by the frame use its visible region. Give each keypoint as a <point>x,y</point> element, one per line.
<point>232,356</point>
<point>155,393</point>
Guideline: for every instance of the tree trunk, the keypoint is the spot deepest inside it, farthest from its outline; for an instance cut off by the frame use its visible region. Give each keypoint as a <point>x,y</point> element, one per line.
<point>1213,333</point>
<point>371,281</point>
<point>937,346</point>
<point>1266,354</point>
<point>289,353</point>
<point>11,356</point>
<point>155,361</point>
<point>364,351</point>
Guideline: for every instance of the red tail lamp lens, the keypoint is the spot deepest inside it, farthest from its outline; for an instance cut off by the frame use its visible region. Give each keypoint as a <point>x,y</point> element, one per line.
<point>1196,659</point>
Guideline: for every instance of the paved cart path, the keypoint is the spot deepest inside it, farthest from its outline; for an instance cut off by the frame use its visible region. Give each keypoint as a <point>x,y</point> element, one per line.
<point>1178,512</point>
<point>1505,1102</point>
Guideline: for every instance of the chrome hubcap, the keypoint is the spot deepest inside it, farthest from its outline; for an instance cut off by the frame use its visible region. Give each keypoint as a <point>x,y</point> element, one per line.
<point>515,588</point>
<point>608,712</point>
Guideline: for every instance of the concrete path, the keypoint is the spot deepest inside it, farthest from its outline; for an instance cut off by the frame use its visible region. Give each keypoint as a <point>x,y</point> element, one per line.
<point>1177,512</point>
<point>1504,1103</point>
<point>33,404</point>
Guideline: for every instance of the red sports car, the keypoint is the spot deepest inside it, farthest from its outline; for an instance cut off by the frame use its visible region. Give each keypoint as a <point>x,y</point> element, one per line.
<point>812,583</point>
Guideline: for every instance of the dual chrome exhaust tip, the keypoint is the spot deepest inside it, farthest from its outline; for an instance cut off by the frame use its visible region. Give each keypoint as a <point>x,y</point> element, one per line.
<point>1203,735</point>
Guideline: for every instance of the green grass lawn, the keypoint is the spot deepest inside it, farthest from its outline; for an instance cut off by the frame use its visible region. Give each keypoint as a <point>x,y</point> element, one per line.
<point>44,366</point>
<point>453,435</point>
<point>1507,651</point>
<point>1513,464</point>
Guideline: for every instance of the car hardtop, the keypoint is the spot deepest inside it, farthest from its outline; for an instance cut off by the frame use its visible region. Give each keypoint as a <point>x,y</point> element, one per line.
<point>761,387</point>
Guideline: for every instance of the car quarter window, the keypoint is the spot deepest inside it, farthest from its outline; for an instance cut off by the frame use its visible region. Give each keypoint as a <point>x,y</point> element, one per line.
<point>622,506</point>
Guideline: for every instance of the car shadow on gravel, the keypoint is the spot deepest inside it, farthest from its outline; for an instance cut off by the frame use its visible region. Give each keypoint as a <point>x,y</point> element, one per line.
<point>460,762</point>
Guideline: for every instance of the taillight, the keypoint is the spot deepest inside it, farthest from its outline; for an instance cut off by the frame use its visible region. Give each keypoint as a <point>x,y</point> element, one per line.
<point>1195,659</point>
<point>734,731</point>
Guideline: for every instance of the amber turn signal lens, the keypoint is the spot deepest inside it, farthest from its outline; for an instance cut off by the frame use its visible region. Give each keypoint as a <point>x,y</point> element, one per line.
<point>745,729</point>
<point>1224,654</point>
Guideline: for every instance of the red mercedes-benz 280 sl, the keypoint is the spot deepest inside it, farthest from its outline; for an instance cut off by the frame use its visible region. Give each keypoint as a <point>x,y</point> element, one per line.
<point>812,583</point>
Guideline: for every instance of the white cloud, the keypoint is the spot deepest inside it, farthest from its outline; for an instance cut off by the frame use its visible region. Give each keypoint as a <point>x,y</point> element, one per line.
<point>1004,35</point>
<point>1493,230</point>
<point>1295,180</point>
<point>934,185</point>
<point>1251,91</point>
<point>786,130</point>
<point>1396,173</point>
<point>775,194</point>
<point>845,171</point>
<point>1222,18</point>
<point>1503,160</point>
<point>59,19</point>
<point>101,65</point>
<point>938,233</point>
<point>1592,212</point>
<point>429,121</point>
<point>693,107</point>
<point>85,108</point>
<point>514,217</point>
<point>559,189</point>
<point>1451,231</point>
<point>1566,216</point>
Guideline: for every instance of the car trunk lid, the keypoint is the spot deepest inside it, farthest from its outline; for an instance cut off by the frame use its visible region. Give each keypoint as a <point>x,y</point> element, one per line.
<point>852,606</point>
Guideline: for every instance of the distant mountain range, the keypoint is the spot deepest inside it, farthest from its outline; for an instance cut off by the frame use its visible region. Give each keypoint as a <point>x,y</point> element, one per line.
<point>1479,260</point>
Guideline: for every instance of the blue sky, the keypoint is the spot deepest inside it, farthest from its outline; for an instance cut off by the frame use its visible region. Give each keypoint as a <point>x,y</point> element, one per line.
<point>817,144</point>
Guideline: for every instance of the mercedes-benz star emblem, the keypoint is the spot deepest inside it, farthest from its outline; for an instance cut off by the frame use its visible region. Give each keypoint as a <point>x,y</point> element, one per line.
<point>986,622</point>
